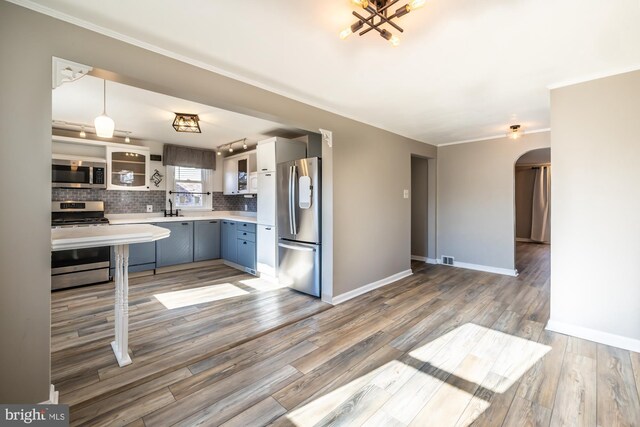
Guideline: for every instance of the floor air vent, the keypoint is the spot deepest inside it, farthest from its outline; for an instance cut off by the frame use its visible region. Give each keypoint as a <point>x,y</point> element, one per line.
<point>447,260</point>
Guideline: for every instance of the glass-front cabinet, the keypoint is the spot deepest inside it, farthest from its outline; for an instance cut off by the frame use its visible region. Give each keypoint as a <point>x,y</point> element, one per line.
<point>237,174</point>
<point>128,169</point>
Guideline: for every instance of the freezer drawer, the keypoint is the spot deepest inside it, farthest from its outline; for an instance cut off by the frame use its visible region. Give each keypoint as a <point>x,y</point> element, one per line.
<point>299,266</point>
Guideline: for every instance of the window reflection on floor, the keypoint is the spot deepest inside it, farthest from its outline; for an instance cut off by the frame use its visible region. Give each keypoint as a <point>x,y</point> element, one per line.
<point>448,381</point>
<point>187,297</point>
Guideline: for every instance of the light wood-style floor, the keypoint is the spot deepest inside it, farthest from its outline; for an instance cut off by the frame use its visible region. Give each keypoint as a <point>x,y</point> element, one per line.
<point>444,347</point>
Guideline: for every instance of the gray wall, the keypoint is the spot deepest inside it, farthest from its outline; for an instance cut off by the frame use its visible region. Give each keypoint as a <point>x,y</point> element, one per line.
<point>476,222</point>
<point>367,223</point>
<point>419,206</point>
<point>595,198</point>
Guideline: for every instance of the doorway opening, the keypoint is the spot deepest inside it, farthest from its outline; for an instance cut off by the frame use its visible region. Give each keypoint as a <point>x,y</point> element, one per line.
<point>533,211</point>
<point>419,212</point>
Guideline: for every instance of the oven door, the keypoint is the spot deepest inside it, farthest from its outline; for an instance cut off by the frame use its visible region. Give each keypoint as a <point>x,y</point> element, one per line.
<point>71,174</point>
<point>77,267</point>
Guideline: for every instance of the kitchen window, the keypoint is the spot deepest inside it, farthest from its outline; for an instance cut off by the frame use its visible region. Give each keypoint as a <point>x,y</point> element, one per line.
<point>190,186</point>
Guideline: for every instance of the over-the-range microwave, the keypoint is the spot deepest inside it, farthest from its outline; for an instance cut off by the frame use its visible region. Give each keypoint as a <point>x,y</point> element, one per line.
<point>74,172</point>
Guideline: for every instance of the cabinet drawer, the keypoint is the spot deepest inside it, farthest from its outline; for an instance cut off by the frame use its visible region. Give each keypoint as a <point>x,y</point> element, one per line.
<point>246,226</point>
<point>246,235</point>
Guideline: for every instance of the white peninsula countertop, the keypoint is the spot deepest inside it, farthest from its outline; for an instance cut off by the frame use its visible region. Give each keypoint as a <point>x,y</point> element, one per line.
<point>104,235</point>
<point>118,219</point>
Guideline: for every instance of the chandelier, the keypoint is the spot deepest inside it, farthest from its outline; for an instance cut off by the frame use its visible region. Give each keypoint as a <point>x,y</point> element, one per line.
<point>378,15</point>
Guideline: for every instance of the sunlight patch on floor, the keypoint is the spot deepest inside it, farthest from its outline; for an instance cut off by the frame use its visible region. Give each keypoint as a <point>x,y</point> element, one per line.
<point>262,285</point>
<point>447,381</point>
<point>187,297</point>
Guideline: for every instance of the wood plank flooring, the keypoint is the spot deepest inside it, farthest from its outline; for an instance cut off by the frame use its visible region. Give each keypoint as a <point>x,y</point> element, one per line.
<point>443,347</point>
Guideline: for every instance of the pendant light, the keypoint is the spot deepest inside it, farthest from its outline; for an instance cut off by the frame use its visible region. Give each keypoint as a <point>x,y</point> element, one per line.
<point>104,124</point>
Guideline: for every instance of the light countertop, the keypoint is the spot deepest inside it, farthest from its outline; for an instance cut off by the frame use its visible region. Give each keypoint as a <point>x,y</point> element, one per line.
<point>118,219</point>
<point>104,235</point>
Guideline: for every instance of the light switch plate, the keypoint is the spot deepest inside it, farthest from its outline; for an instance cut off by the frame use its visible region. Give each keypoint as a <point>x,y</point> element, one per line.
<point>406,194</point>
<point>149,208</point>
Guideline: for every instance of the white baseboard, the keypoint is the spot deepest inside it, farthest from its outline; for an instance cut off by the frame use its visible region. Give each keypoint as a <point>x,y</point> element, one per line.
<point>418,258</point>
<point>478,267</point>
<point>594,335</point>
<point>432,261</point>
<point>523,239</point>
<point>368,288</point>
<point>53,397</point>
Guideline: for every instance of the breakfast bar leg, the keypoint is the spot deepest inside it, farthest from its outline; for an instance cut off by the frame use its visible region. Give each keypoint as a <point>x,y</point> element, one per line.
<point>121,344</point>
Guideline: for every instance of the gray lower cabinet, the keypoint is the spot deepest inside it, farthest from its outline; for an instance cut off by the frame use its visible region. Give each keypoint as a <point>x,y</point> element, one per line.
<point>142,257</point>
<point>206,240</point>
<point>247,254</point>
<point>229,241</point>
<point>178,247</point>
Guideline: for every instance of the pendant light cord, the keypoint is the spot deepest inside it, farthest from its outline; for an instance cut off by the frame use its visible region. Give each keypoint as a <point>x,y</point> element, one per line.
<point>104,98</point>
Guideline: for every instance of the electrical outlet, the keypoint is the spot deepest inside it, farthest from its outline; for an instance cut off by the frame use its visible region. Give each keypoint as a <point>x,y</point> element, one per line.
<point>406,194</point>
<point>149,208</point>
<point>246,207</point>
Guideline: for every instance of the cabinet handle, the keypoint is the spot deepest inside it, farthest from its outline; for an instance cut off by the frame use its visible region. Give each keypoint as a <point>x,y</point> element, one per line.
<point>265,169</point>
<point>185,223</point>
<point>244,234</point>
<point>213,222</point>
<point>267,174</point>
<point>244,243</point>
<point>268,228</point>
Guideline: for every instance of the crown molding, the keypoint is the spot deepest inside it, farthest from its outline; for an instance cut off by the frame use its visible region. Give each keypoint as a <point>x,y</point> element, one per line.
<point>487,138</point>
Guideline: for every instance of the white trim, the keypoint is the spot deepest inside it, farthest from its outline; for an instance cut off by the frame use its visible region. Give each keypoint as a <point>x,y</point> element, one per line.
<point>53,397</point>
<point>488,138</point>
<point>523,240</point>
<point>478,267</point>
<point>418,258</point>
<point>371,286</point>
<point>594,335</point>
<point>432,261</point>
<point>194,62</point>
<point>592,77</point>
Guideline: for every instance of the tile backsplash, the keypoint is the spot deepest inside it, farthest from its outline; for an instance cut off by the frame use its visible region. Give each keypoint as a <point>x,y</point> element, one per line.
<point>123,202</point>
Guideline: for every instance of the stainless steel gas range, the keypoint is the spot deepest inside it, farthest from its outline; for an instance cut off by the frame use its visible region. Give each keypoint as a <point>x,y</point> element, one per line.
<point>78,267</point>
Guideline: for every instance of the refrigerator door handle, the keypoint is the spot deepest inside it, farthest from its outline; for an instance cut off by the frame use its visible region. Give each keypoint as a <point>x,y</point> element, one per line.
<point>297,248</point>
<point>292,201</point>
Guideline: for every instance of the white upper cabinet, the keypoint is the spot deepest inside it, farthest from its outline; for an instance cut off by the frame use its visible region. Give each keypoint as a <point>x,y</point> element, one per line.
<point>128,168</point>
<point>237,172</point>
<point>267,155</point>
<point>230,176</point>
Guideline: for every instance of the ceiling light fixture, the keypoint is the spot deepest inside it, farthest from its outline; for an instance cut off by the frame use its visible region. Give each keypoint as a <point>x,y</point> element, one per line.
<point>189,123</point>
<point>127,139</point>
<point>515,132</point>
<point>104,124</point>
<point>83,134</point>
<point>229,146</point>
<point>378,16</point>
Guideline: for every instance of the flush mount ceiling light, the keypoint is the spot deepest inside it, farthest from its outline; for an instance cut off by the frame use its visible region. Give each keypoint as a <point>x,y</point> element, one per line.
<point>104,124</point>
<point>189,123</point>
<point>515,132</point>
<point>378,16</point>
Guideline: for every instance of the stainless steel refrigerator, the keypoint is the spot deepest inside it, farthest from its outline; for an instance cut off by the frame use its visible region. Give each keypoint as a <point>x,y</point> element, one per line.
<point>299,224</point>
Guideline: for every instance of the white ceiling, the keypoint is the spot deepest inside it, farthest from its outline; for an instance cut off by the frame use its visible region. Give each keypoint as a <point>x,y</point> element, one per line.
<point>465,69</point>
<point>149,115</point>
